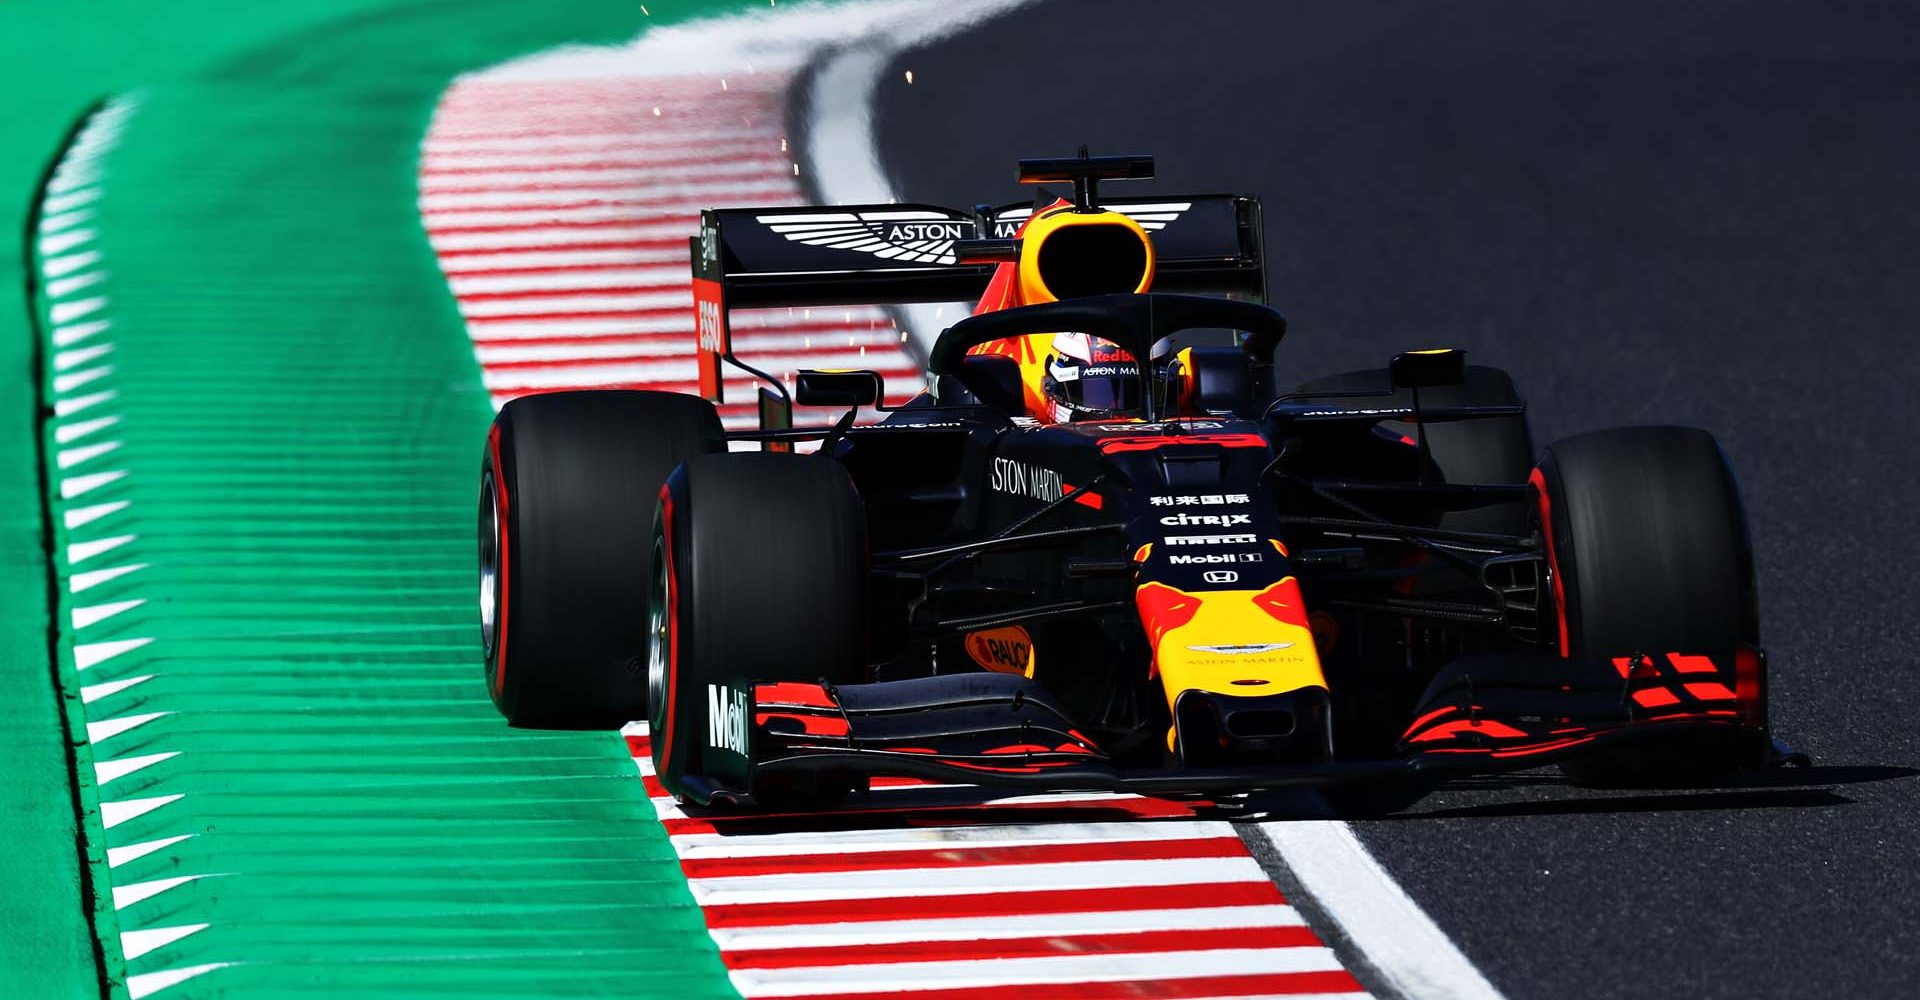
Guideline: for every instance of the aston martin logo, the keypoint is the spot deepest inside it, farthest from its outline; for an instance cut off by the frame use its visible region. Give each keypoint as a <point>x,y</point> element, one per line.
<point>908,236</point>
<point>921,237</point>
<point>1244,649</point>
<point>1151,218</point>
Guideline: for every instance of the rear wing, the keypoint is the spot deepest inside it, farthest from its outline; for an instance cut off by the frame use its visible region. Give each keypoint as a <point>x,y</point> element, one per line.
<point>757,258</point>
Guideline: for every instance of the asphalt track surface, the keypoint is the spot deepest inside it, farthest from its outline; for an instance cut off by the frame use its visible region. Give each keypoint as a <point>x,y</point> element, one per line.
<point>1704,214</point>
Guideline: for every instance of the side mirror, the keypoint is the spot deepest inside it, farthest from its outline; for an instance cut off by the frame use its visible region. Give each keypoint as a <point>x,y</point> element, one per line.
<point>1222,378</point>
<point>1428,369</point>
<point>994,380</point>
<point>843,387</point>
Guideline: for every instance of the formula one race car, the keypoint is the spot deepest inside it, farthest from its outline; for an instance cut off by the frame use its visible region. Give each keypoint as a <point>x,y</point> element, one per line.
<point>1103,551</point>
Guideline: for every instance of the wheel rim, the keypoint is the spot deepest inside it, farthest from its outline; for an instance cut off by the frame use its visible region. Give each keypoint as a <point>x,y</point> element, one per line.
<point>489,565</point>
<point>659,639</point>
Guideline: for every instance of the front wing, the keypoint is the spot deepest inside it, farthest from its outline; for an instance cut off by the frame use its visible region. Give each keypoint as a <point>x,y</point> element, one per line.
<point>1481,714</point>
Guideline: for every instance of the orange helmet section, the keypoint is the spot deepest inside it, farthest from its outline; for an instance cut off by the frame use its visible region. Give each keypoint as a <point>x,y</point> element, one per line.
<point>1230,642</point>
<point>1063,254</point>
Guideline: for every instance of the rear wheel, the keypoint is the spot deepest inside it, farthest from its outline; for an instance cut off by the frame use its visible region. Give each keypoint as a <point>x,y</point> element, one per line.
<point>760,573</point>
<point>1649,553</point>
<point>566,489</point>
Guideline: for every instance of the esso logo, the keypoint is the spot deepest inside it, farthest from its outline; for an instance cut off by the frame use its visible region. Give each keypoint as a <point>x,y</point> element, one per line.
<point>709,323</point>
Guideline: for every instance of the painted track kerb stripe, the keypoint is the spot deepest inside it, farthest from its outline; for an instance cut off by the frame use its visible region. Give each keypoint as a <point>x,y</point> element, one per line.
<point>976,929</point>
<point>560,190</point>
<point>794,887</point>
<point>1399,942</point>
<point>1393,936</point>
<point>100,648</point>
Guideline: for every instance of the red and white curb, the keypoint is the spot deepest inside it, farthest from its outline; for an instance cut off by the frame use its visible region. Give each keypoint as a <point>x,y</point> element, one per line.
<point>559,194</point>
<point>100,569</point>
<point>927,890</point>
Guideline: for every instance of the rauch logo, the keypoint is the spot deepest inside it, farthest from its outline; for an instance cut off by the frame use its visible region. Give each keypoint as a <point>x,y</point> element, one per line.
<point>1006,650</point>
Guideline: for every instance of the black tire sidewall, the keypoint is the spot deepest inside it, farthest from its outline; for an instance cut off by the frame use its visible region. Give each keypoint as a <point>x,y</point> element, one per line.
<point>576,477</point>
<point>767,568</point>
<point>1649,543</point>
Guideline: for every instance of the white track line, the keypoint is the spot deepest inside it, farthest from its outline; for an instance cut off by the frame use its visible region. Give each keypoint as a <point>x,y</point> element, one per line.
<point>1402,944</point>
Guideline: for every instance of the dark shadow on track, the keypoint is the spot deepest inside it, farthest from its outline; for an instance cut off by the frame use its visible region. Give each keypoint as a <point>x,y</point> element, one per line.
<point>1801,798</point>
<point>1547,793</point>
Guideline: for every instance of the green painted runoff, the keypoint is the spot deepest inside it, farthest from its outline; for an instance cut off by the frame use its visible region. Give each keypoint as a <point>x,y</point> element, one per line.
<point>302,412</point>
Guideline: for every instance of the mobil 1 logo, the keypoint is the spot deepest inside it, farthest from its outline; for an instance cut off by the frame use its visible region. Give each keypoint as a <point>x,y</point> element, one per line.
<point>727,711</point>
<point>1214,559</point>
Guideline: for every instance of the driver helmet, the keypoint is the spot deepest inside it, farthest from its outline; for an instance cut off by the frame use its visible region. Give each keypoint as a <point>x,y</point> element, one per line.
<point>1088,378</point>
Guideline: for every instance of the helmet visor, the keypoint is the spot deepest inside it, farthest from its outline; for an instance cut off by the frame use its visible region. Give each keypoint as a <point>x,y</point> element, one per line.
<point>1109,388</point>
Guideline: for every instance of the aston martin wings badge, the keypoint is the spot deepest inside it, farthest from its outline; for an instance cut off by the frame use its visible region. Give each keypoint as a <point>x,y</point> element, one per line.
<point>907,235</point>
<point>914,236</point>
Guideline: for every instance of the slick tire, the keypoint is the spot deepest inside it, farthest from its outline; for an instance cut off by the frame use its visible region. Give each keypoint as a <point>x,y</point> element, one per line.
<point>1649,550</point>
<point>760,574</point>
<point>1492,450</point>
<point>567,489</point>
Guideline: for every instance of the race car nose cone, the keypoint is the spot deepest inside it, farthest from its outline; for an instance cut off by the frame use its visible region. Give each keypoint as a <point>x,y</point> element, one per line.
<point>1214,729</point>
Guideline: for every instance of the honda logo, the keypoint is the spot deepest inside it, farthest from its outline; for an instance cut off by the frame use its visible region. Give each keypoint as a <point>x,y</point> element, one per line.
<point>1220,576</point>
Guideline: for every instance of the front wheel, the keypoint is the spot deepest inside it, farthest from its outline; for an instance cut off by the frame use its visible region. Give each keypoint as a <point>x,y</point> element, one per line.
<point>1648,553</point>
<point>760,575</point>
